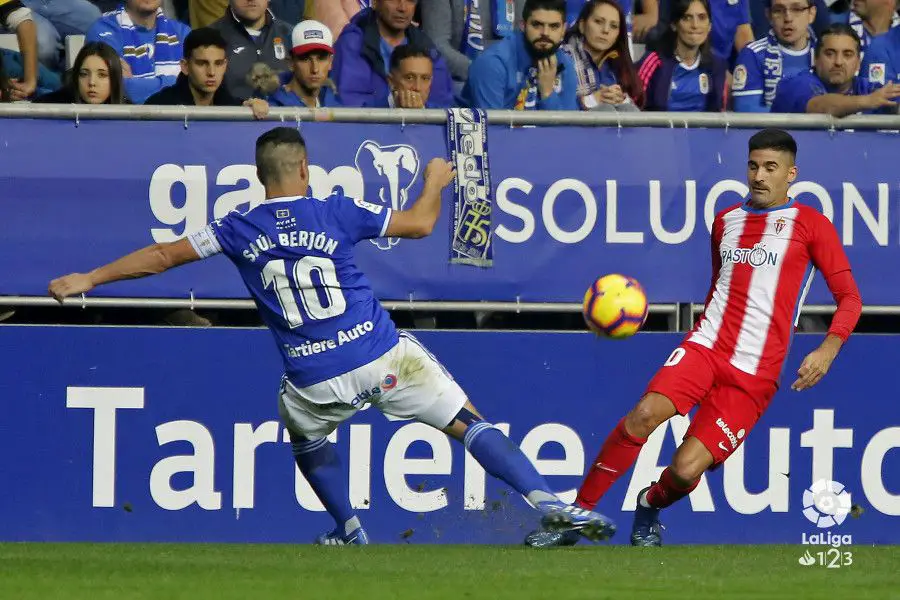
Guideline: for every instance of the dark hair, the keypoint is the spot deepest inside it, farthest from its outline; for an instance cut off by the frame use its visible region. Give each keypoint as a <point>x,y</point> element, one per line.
<point>773,139</point>
<point>838,29</point>
<point>113,65</point>
<point>201,38</point>
<point>273,153</point>
<point>622,65</point>
<point>669,39</point>
<point>5,95</point>
<point>533,5</point>
<point>404,51</point>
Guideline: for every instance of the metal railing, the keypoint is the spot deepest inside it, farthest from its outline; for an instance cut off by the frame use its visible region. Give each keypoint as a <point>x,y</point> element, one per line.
<point>889,124</point>
<point>724,120</point>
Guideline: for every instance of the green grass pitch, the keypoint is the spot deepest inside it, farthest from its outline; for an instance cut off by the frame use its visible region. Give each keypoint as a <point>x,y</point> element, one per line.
<point>43,571</point>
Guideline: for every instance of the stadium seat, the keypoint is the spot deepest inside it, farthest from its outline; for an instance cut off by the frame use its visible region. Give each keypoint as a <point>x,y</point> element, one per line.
<point>637,51</point>
<point>8,41</point>
<point>73,47</point>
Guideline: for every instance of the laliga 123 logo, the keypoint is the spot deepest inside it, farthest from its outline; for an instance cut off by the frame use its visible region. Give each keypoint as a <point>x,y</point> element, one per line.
<point>826,503</point>
<point>395,168</point>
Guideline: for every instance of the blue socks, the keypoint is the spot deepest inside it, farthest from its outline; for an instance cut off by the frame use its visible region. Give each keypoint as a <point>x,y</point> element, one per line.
<point>504,460</point>
<point>322,467</point>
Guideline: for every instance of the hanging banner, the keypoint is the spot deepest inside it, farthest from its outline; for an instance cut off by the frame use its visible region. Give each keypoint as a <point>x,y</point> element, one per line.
<point>569,204</point>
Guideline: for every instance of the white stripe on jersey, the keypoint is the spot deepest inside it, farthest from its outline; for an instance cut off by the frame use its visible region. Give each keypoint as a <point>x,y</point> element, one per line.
<point>709,327</point>
<point>763,288</point>
<point>806,286</point>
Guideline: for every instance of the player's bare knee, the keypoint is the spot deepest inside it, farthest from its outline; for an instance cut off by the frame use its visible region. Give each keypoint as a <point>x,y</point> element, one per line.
<point>647,415</point>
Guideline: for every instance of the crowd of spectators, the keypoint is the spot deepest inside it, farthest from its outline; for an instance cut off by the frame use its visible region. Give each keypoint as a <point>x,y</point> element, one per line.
<point>817,56</point>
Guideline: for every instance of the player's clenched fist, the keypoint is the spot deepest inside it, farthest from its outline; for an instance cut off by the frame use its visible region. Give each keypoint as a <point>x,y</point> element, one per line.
<point>69,285</point>
<point>439,172</point>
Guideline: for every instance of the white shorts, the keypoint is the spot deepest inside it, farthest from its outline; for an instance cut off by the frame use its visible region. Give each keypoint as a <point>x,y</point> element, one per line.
<point>407,382</point>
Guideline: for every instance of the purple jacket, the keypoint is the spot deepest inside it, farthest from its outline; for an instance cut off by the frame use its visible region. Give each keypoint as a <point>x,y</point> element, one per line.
<point>655,73</point>
<point>358,69</point>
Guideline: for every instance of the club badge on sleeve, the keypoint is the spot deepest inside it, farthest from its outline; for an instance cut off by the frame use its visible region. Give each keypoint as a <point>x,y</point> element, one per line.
<point>740,78</point>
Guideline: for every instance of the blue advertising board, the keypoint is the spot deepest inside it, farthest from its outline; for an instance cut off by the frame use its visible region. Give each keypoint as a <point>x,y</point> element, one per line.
<point>149,434</point>
<point>570,203</point>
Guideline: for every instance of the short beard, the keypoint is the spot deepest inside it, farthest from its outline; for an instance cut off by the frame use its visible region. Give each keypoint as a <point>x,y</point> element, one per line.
<point>542,54</point>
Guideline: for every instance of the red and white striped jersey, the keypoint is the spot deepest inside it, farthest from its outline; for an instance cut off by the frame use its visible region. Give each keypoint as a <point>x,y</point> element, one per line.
<point>764,262</point>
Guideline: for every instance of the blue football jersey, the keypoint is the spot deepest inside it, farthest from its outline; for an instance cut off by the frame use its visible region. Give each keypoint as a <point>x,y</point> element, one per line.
<point>881,64</point>
<point>727,16</point>
<point>690,86</point>
<point>295,256</point>
<point>750,86</point>
<point>794,93</point>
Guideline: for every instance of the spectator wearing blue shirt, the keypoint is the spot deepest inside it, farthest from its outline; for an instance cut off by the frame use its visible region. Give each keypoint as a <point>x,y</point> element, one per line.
<point>834,88</point>
<point>870,19</point>
<point>881,64</point>
<point>683,74</point>
<point>312,53</point>
<point>731,29</point>
<point>598,46</point>
<point>149,44</point>
<point>786,51</point>
<point>529,70</point>
<point>410,77</point>
<point>362,54</point>
<point>462,29</point>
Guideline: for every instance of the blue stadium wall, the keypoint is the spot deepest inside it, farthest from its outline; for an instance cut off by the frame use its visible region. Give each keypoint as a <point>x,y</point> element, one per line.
<point>146,434</point>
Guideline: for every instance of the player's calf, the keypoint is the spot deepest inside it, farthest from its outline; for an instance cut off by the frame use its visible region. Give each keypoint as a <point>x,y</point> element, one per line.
<point>320,464</point>
<point>503,459</point>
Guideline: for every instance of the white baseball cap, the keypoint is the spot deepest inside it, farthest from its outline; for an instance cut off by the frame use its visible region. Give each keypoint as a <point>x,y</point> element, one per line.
<point>311,35</point>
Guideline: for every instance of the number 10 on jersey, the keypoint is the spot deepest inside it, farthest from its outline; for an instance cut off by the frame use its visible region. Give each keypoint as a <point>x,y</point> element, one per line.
<point>314,280</point>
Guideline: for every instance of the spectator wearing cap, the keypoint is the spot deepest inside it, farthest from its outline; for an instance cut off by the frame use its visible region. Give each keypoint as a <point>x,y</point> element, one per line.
<point>362,54</point>
<point>409,78</point>
<point>312,52</point>
<point>203,69</point>
<point>253,35</point>
<point>148,43</point>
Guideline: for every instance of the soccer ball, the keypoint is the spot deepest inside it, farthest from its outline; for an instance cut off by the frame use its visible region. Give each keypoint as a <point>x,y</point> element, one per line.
<point>615,307</point>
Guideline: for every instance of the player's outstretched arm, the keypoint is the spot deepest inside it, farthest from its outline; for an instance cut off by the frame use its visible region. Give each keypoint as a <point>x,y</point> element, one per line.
<point>146,261</point>
<point>418,221</point>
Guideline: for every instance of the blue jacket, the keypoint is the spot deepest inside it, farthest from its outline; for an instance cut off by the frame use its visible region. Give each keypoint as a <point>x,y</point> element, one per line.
<point>655,72</point>
<point>358,69</point>
<point>283,97</point>
<point>498,76</point>
<point>152,55</point>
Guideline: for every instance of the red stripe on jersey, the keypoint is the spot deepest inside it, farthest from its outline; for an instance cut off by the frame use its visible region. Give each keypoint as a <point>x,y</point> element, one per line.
<point>754,227</point>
